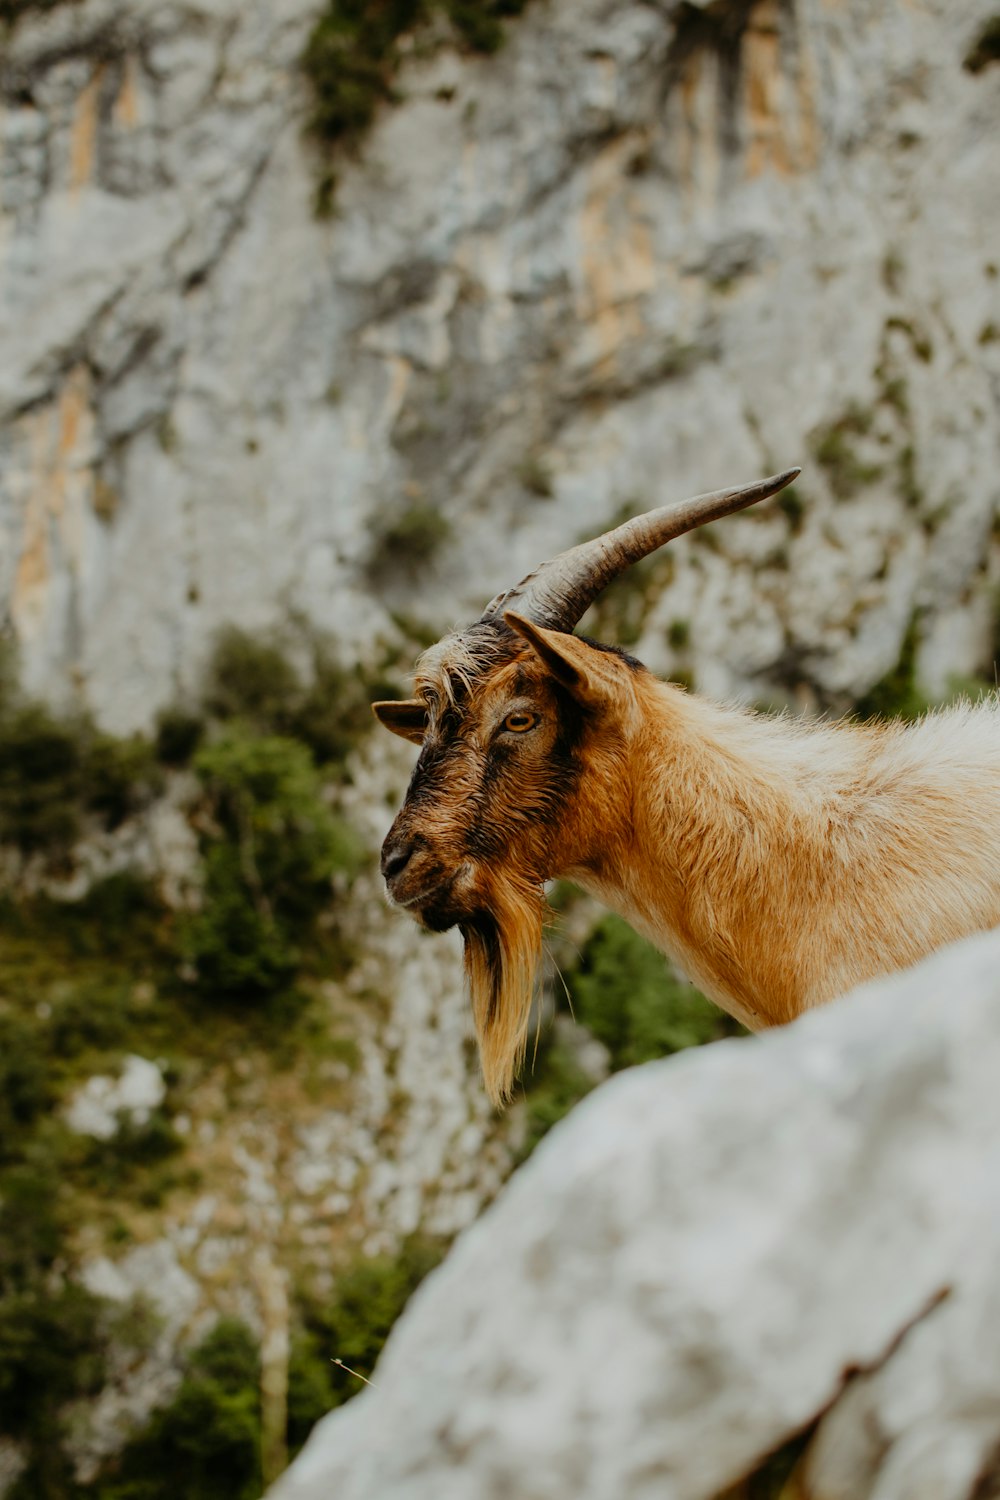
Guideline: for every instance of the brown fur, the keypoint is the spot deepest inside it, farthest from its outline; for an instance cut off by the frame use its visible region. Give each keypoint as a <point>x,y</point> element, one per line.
<point>779,862</point>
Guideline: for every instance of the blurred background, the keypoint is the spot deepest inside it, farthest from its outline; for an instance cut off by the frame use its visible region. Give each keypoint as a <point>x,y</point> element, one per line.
<point>320,323</point>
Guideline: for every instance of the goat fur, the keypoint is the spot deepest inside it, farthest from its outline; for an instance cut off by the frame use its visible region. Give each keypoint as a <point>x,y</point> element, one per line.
<point>778,861</point>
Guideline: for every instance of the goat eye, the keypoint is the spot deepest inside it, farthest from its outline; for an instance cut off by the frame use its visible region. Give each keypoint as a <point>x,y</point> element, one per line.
<point>517,723</point>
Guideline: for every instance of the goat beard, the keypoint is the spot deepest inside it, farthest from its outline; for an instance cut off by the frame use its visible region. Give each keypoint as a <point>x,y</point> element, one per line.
<point>503,945</point>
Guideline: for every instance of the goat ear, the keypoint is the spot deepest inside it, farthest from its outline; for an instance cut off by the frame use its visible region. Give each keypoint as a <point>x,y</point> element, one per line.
<point>407,719</point>
<point>588,674</point>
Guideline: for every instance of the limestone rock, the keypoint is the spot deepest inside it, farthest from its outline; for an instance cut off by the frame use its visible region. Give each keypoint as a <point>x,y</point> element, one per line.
<point>691,1267</point>
<point>643,251</point>
<point>100,1106</point>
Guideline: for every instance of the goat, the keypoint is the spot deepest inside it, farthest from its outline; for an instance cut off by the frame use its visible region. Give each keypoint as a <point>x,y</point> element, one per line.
<point>780,862</point>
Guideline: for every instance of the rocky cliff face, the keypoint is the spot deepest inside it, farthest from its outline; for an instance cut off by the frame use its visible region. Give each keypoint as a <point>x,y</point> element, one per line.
<point>645,250</point>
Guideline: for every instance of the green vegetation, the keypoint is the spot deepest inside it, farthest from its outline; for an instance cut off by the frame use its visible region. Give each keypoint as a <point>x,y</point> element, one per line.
<point>84,981</point>
<point>555,1083</point>
<point>792,504</point>
<point>270,849</point>
<point>896,695</point>
<point>354,53</point>
<point>407,541</point>
<point>12,10</point>
<point>835,449</point>
<point>205,1445</point>
<point>986,48</point>
<point>53,773</point>
<point>52,1345</point>
<point>625,994</point>
<point>368,1298</point>
<point>252,679</point>
<point>534,475</point>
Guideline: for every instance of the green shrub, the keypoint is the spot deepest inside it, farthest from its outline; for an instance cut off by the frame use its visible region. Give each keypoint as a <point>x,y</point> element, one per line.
<point>41,780</point>
<point>178,734</point>
<point>408,540</point>
<point>53,771</point>
<point>13,10</point>
<point>52,1343</point>
<point>119,776</point>
<point>626,996</point>
<point>251,680</point>
<point>368,1299</point>
<point>896,695</point>
<point>205,1445</point>
<point>271,851</point>
<point>352,55</point>
<point>310,1387</point>
<point>25,1084</point>
<point>554,1085</point>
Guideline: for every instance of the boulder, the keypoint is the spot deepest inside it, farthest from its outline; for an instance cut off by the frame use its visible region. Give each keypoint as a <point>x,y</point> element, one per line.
<point>714,1253</point>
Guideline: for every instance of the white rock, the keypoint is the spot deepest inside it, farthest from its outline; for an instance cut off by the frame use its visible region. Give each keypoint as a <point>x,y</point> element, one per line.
<point>680,1277</point>
<point>98,1108</point>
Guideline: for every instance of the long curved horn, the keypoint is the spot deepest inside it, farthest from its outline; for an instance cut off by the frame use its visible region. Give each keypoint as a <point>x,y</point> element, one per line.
<point>558,594</point>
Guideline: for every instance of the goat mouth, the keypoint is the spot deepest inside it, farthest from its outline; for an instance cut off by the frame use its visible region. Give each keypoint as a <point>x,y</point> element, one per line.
<point>430,905</point>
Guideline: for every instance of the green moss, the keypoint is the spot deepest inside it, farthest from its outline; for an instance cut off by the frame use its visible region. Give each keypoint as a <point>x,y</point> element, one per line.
<point>792,504</point>
<point>896,695</point>
<point>919,340</point>
<point>534,475</point>
<point>986,47</point>
<point>407,541</point>
<point>907,482</point>
<point>353,53</point>
<point>166,435</point>
<point>679,634</point>
<point>834,448</point>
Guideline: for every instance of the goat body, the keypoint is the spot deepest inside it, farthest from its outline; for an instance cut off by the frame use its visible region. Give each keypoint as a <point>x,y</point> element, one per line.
<point>779,861</point>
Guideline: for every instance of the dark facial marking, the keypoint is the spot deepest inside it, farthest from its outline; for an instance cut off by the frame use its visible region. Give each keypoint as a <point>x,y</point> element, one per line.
<point>482,929</point>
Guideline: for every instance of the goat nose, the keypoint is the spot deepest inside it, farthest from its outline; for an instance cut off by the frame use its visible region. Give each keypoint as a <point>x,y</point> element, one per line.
<point>395,859</point>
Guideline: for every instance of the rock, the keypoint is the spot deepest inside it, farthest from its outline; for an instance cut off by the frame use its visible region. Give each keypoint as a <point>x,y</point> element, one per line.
<point>642,251</point>
<point>133,1387</point>
<point>694,1267</point>
<point>100,1106</point>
